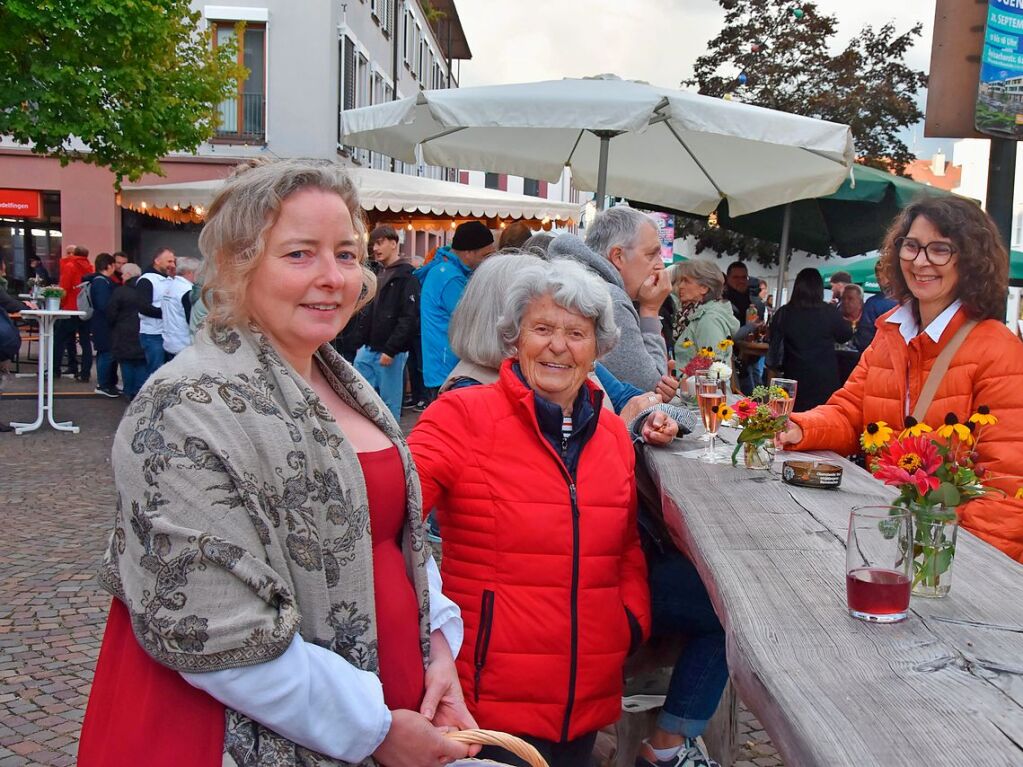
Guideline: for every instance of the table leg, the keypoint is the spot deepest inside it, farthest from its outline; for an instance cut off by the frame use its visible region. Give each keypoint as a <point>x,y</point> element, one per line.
<point>22,428</point>
<point>58,425</point>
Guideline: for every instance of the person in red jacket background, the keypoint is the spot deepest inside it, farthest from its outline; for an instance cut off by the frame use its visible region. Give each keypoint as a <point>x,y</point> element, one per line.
<point>73,268</point>
<point>535,489</point>
<point>946,264</point>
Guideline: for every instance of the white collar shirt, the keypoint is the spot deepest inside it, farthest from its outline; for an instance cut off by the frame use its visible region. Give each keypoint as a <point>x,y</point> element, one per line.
<point>910,329</point>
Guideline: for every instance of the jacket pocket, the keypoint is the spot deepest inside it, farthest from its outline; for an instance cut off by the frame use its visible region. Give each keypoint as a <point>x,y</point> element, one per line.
<point>483,639</point>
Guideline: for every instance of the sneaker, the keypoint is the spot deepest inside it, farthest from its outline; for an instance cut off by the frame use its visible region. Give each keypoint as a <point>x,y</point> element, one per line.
<point>689,755</point>
<point>420,406</point>
<point>113,393</point>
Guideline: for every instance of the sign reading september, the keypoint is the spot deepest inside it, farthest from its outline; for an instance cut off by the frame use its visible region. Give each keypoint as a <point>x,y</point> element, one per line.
<point>999,109</point>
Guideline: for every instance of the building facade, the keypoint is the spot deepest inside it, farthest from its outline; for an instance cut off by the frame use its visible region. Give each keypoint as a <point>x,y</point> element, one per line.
<point>307,60</point>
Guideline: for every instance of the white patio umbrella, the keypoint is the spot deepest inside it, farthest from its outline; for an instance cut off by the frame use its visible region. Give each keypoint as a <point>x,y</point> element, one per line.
<point>666,147</point>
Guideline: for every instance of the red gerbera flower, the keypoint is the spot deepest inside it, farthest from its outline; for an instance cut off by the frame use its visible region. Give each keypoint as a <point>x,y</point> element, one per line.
<point>745,407</point>
<point>912,460</point>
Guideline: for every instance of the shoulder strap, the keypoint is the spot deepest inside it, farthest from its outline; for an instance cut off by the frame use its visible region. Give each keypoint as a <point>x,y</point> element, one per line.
<point>940,368</point>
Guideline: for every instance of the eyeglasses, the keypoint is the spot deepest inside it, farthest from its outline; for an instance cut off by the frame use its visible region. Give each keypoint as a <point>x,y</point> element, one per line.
<point>937,253</point>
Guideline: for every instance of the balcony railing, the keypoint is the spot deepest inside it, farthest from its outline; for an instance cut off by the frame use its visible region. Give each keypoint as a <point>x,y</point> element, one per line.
<point>251,126</point>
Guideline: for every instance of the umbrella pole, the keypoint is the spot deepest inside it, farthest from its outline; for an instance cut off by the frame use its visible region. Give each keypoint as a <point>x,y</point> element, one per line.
<point>783,254</point>
<point>605,146</point>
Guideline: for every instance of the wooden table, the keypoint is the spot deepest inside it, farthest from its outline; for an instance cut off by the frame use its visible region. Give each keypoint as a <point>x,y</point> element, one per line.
<point>941,688</point>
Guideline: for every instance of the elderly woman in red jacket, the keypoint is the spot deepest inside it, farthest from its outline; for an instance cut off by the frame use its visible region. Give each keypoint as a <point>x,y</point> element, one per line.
<point>535,490</point>
<point>947,266</point>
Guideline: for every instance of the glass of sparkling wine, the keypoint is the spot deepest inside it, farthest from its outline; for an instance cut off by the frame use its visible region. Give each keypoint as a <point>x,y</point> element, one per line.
<point>878,563</point>
<point>782,404</point>
<point>710,394</point>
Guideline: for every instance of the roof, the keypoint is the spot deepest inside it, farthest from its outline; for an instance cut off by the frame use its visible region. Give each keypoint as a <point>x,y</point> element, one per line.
<point>922,171</point>
<point>447,28</point>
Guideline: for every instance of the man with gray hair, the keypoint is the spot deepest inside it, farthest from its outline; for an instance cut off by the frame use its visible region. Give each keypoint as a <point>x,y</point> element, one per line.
<point>623,247</point>
<point>176,305</point>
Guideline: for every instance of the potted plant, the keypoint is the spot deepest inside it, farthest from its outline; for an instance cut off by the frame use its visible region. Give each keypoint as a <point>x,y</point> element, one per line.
<point>934,471</point>
<point>52,294</point>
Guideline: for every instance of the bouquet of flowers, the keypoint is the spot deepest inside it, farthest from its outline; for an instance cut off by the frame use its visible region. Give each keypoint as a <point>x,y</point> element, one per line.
<point>759,420</point>
<point>706,361</point>
<point>935,471</point>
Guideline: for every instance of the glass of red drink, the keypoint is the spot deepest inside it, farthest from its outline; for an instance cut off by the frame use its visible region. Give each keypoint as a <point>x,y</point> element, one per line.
<point>879,563</point>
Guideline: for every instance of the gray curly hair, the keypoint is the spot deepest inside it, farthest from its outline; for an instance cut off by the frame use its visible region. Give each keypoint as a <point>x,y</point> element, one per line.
<point>573,287</point>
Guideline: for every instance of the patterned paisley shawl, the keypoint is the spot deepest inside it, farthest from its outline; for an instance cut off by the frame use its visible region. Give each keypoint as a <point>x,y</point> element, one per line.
<point>242,518</point>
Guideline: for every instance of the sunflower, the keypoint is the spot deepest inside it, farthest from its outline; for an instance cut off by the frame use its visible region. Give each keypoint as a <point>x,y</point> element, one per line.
<point>953,427</point>
<point>910,461</point>
<point>876,435</point>
<point>725,344</point>
<point>725,413</point>
<point>707,352</point>
<point>983,416</point>
<point>686,343</point>
<point>914,429</point>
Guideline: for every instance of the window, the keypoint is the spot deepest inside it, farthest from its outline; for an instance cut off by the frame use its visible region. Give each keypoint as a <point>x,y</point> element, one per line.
<point>531,187</point>
<point>347,78</point>
<point>492,181</point>
<point>409,38</point>
<point>243,116</point>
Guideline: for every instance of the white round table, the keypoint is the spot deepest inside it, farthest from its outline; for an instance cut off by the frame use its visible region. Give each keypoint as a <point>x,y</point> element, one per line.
<point>44,406</point>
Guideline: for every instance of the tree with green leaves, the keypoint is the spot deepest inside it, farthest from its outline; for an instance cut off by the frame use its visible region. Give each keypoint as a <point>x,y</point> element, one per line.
<point>778,54</point>
<point>131,79</point>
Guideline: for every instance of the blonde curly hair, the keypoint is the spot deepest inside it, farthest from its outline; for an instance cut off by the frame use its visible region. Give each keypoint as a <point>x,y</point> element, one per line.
<point>246,208</point>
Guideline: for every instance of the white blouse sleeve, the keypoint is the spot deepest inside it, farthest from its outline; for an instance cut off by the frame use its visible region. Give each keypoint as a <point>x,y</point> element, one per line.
<point>444,614</point>
<point>309,695</point>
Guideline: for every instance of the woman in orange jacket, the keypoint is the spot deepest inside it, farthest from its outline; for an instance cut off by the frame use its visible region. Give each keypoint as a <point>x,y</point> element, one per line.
<point>946,265</point>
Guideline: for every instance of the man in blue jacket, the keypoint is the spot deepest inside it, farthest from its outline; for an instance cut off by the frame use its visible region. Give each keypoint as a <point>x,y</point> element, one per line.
<point>443,280</point>
<point>101,291</point>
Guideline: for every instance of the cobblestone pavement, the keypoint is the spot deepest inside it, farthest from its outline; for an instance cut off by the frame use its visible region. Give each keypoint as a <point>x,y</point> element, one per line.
<point>56,502</point>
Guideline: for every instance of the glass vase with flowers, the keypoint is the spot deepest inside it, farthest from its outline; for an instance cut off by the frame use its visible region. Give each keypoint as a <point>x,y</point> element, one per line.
<point>760,420</point>
<point>934,471</point>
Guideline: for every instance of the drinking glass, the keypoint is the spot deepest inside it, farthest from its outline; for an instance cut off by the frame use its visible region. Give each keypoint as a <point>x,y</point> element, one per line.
<point>782,405</point>
<point>878,562</point>
<point>711,395</point>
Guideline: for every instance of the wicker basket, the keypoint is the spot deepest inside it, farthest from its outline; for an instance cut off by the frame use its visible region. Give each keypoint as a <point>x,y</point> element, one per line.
<point>510,743</point>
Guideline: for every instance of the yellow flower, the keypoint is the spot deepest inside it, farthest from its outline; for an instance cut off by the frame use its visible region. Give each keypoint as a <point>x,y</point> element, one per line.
<point>707,352</point>
<point>983,416</point>
<point>1019,493</point>
<point>686,343</point>
<point>725,344</point>
<point>726,413</point>
<point>914,429</point>
<point>876,435</point>
<point>953,427</point>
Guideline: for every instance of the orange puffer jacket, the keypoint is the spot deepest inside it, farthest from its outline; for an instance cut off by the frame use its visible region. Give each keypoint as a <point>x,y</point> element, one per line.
<point>543,566</point>
<point>987,370</point>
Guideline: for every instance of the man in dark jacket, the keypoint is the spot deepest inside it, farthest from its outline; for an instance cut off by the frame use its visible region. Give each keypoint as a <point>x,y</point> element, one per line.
<point>10,305</point>
<point>392,321</point>
<point>122,312</point>
<point>101,291</point>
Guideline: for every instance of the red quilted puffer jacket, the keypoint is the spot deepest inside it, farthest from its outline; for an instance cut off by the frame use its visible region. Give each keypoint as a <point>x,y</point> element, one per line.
<point>543,566</point>
<point>987,370</point>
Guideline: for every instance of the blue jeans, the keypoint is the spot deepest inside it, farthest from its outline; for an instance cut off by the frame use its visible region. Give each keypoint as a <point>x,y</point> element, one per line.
<point>152,346</point>
<point>387,380</point>
<point>106,373</point>
<point>680,605</point>
<point>133,375</point>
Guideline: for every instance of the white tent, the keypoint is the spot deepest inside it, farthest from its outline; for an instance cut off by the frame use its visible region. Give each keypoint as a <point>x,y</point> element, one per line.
<point>407,197</point>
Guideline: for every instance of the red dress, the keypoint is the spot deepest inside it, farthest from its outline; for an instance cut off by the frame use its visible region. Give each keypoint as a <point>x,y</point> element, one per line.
<point>139,710</point>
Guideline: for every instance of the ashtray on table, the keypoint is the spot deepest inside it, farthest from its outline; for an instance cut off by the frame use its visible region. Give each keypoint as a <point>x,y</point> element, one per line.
<point>812,474</point>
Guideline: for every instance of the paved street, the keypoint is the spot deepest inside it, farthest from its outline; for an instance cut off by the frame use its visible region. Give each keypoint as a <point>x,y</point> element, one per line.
<point>56,502</point>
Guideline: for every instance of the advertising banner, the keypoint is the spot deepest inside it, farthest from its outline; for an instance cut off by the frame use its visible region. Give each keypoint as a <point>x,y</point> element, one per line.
<point>666,231</point>
<point>20,203</point>
<point>999,110</point>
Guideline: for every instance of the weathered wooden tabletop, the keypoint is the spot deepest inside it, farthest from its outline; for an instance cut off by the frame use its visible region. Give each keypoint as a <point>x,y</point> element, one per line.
<point>944,687</point>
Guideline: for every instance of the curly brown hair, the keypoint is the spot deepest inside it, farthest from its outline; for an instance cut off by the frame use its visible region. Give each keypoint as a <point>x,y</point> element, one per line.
<point>982,262</point>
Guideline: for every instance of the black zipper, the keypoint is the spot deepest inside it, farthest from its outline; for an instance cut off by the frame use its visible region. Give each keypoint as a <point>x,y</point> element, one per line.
<point>483,639</point>
<point>574,662</point>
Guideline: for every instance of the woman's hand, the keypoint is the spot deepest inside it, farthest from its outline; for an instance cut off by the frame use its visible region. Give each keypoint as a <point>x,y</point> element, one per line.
<point>659,429</point>
<point>413,741</point>
<point>443,702</point>
<point>792,435</point>
<point>637,405</point>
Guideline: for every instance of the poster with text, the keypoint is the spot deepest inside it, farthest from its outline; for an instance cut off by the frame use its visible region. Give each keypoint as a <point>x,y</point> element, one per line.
<point>999,110</point>
<point>666,231</point>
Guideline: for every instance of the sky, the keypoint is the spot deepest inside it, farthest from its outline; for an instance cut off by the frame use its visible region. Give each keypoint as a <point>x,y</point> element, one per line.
<point>652,40</point>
